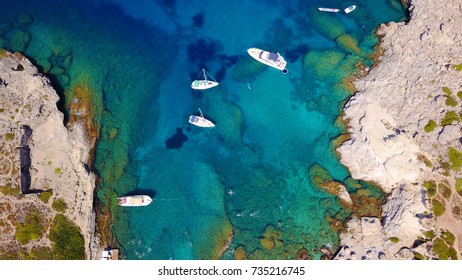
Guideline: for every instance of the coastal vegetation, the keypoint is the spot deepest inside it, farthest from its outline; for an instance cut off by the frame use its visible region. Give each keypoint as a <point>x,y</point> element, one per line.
<point>441,242</point>
<point>443,250</point>
<point>430,186</point>
<point>45,196</point>
<point>438,208</point>
<point>9,136</point>
<point>455,157</point>
<point>445,167</point>
<point>448,237</point>
<point>430,234</point>
<point>7,189</point>
<point>449,118</point>
<point>457,67</point>
<point>447,90</point>
<point>444,190</point>
<point>68,243</point>
<point>450,101</point>
<point>39,253</point>
<point>431,125</point>
<point>31,229</point>
<point>459,186</point>
<point>394,239</point>
<point>59,205</point>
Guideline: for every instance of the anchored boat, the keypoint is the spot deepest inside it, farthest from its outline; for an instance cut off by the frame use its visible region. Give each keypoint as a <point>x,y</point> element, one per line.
<point>330,10</point>
<point>349,9</point>
<point>134,200</point>
<point>204,83</point>
<point>273,59</point>
<point>200,120</point>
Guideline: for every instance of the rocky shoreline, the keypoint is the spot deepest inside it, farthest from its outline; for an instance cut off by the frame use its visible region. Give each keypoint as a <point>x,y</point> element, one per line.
<point>405,132</point>
<point>49,172</point>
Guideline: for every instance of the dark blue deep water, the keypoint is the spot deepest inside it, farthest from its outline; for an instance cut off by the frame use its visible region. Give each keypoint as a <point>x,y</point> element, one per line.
<point>244,189</point>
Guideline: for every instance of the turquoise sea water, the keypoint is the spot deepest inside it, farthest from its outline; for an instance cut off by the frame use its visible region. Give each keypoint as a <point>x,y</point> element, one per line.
<point>248,181</point>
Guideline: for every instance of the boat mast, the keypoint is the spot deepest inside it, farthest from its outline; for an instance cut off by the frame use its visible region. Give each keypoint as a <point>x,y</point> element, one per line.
<point>205,76</point>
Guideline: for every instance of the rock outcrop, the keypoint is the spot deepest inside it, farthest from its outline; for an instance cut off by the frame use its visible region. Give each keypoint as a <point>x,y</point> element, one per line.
<point>56,160</point>
<point>402,119</point>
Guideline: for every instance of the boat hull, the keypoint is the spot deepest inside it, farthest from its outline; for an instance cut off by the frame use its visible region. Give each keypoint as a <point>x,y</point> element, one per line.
<point>200,121</point>
<point>134,200</point>
<point>274,60</point>
<point>330,10</point>
<point>203,84</point>
<point>350,9</point>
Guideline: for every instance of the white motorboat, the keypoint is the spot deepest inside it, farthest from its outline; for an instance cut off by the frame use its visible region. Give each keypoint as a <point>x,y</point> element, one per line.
<point>273,59</point>
<point>204,83</point>
<point>349,9</point>
<point>134,200</point>
<point>200,120</point>
<point>330,10</point>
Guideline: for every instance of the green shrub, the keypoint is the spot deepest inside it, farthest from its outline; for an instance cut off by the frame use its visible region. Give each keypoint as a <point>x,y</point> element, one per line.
<point>9,136</point>
<point>448,237</point>
<point>429,234</point>
<point>32,229</point>
<point>418,256</point>
<point>430,186</point>
<point>41,253</point>
<point>438,207</point>
<point>447,90</point>
<point>444,190</point>
<point>9,255</point>
<point>57,170</point>
<point>450,101</point>
<point>45,196</point>
<point>8,190</point>
<point>450,118</point>
<point>455,157</point>
<point>459,94</point>
<point>457,67</point>
<point>431,125</point>
<point>444,251</point>
<point>459,186</point>
<point>446,167</point>
<point>68,243</point>
<point>394,239</point>
<point>59,205</point>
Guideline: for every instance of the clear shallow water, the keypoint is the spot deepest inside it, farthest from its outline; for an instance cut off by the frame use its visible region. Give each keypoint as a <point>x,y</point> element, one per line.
<point>248,179</point>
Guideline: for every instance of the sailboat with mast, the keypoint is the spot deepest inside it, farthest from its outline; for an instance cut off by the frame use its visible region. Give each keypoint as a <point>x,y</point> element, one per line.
<point>200,120</point>
<point>204,83</point>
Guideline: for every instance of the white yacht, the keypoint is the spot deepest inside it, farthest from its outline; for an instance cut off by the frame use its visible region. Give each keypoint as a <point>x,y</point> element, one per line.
<point>269,58</point>
<point>134,200</point>
<point>330,10</point>
<point>349,9</point>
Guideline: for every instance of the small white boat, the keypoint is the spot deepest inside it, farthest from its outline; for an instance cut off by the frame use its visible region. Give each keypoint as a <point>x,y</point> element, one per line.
<point>350,9</point>
<point>330,10</point>
<point>134,200</point>
<point>205,83</point>
<point>200,120</point>
<point>272,59</point>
